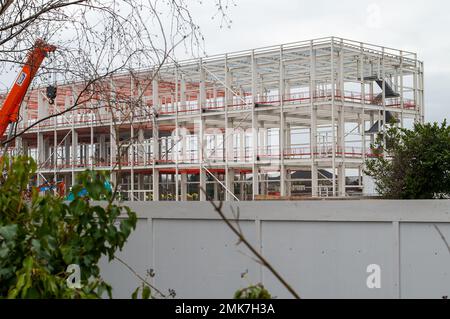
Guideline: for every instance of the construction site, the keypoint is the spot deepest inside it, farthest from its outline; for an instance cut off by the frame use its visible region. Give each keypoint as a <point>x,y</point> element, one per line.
<point>289,121</point>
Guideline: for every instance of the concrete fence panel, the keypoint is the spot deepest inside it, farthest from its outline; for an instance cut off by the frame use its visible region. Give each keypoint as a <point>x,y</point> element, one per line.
<point>325,249</point>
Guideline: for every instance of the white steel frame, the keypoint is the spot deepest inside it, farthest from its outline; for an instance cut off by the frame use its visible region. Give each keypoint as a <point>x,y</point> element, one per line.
<point>271,120</point>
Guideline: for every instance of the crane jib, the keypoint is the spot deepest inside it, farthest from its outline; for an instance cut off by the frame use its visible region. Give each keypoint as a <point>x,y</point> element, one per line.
<point>9,112</point>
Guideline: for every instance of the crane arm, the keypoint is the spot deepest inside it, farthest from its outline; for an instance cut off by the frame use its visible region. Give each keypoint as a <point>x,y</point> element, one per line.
<point>9,113</point>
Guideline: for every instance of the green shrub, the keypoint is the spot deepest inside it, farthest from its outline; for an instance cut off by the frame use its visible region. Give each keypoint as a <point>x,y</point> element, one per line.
<point>40,236</point>
<point>417,165</point>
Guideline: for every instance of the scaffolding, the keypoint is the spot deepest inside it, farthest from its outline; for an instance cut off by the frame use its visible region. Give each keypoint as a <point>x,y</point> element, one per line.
<point>293,120</point>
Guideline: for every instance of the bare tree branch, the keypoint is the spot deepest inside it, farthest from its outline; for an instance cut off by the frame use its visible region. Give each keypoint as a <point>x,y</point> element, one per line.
<point>442,237</point>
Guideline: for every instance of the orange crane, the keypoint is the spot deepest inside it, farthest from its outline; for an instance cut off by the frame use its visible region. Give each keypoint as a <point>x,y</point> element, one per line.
<point>9,113</point>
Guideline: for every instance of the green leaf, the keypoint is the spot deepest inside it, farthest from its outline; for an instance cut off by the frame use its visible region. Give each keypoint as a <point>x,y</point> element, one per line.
<point>4,250</point>
<point>9,232</point>
<point>146,292</point>
<point>134,295</point>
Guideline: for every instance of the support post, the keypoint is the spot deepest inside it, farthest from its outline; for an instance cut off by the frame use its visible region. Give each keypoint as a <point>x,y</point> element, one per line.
<point>255,167</point>
<point>333,122</point>
<point>313,129</point>
<point>183,186</point>
<point>155,182</point>
<point>201,156</point>
<point>282,134</point>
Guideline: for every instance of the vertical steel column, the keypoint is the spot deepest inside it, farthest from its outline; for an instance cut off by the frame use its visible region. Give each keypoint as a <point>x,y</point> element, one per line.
<point>74,152</point>
<point>40,154</point>
<point>228,136</point>
<point>155,183</point>
<point>372,113</point>
<point>255,167</point>
<point>183,94</point>
<point>229,171</point>
<point>55,154</point>
<point>74,140</point>
<point>182,150</point>
<point>114,139</point>
<point>132,147</point>
<point>183,186</point>
<point>91,157</point>
<point>421,91</point>
<point>155,136</point>
<point>19,143</point>
<point>216,188</point>
<point>142,162</point>
<point>341,124</point>
<point>113,142</point>
<point>201,132</point>
<point>422,78</point>
<point>402,92</point>
<point>383,77</point>
<point>363,112</point>
<point>242,138</point>
<point>177,138</point>
<point>281,92</point>
<point>415,90</point>
<point>40,138</point>
<point>288,144</point>
<point>102,149</point>
<point>333,124</point>
<point>313,129</point>
<point>201,156</point>
<point>24,114</point>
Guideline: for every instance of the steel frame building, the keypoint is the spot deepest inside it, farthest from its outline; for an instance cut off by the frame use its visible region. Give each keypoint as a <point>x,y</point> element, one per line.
<point>295,119</point>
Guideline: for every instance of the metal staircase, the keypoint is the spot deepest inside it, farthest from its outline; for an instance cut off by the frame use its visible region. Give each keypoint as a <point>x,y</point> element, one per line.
<point>376,128</point>
<point>388,86</point>
<point>388,93</point>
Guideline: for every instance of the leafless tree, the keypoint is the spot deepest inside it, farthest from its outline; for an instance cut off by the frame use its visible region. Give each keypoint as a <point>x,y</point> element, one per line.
<point>96,40</point>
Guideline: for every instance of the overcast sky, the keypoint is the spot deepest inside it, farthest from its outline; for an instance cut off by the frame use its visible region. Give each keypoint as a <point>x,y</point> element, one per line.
<point>417,26</point>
